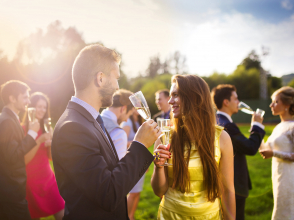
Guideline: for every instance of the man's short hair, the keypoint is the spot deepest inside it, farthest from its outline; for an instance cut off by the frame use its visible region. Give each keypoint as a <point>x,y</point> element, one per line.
<point>14,88</point>
<point>121,98</point>
<point>222,92</point>
<point>164,91</point>
<point>91,60</point>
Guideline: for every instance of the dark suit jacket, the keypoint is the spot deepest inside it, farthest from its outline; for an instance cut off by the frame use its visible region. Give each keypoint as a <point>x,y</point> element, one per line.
<point>13,147</point>
<point>90,178</point>
<point>242,147</point>
<point>158,115</point>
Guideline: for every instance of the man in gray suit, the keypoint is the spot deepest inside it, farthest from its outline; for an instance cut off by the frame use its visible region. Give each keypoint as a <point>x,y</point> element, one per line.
<point>91,178</point>
<point>13,147</point>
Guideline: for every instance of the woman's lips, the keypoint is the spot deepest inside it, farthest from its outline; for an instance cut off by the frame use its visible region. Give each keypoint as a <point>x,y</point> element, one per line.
<point>174,108</point>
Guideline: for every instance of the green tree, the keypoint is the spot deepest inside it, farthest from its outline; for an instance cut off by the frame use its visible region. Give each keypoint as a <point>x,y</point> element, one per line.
<point>273,84</point>
<point>246,82</point>
<point>252,61</point>
<point>154,67</point>
<point>216,79</point>
<point>291,83</point>
<point>149,90</point>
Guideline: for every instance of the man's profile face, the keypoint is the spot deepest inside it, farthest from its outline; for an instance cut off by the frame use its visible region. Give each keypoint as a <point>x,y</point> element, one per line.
<point>161,100</point>
<point>111,86</point>
<point>233,103</point>
<point>22,101</point>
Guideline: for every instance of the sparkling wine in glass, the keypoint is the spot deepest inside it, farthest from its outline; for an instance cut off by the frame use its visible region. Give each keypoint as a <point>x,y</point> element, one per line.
<point>139,102</point>
<point>47,125</point>
<point>245,108</point>
<point>31,114</point>
<point>165,125</point>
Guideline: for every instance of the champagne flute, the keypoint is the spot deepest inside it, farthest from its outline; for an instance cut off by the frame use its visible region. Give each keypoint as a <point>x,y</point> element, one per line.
<point>139,102</point>
<point>260,111</point>
<point>47,125</point>
<point>31,114</point>
<point>165,125</point>
<point>245,108</point>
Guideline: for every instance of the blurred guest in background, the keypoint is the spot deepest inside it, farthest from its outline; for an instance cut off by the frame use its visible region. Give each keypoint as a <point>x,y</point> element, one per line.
<point>161,100</point>
<point>13,147</point>
<point>280,147</point>
<point>42,192</point>
<point>120,111</point>
<point>201,156</point>
<point>226,101</point>
<point>131,127</point>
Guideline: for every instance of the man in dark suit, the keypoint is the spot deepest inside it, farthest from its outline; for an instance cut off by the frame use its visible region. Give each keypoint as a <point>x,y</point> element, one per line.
<point>161,100</point>
<point>226,101</point>
<point>91,179</point>
<point>13,147</point>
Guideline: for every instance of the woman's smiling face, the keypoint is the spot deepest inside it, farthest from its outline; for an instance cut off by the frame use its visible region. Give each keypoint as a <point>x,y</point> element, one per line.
<point>41,108</point>
<point>175,101</point>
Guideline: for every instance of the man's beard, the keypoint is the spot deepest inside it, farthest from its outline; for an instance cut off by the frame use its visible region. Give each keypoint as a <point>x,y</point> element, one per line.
<point>107,94</point>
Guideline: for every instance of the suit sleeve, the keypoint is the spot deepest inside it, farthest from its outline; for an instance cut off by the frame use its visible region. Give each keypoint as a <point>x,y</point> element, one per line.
<point>12,149</point>
<point>243,145</point>
<point>78,153</point>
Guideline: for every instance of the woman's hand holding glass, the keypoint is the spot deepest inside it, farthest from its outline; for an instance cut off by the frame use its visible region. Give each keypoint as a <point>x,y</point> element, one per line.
<point>43,138</point>
<point>161,154</point>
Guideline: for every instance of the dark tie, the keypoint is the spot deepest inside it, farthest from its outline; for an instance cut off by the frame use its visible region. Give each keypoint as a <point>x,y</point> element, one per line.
<point>100,121</point>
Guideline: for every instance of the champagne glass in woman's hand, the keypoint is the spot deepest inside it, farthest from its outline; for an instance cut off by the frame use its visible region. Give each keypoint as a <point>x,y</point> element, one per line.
<point>165,125</point>
<point>47,126</point>
<point>139,102</point>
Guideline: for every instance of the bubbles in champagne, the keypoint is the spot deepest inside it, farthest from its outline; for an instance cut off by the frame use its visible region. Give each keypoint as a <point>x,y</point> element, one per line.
<point>144,112</point>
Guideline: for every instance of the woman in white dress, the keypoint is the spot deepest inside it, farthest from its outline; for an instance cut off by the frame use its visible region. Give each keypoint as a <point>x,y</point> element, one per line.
<point>280,147</point>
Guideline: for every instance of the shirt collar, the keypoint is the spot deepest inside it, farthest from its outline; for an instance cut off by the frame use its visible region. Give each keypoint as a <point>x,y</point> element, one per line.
<point>109,114</point>
<point>225,114</point>
<point>87,106</point>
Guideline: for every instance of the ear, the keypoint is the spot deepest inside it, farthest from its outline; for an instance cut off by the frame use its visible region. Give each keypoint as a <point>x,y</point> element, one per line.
<point>226,102</point>
<point>100,77</point>
<point>12,99</point>
<point>123,109</point>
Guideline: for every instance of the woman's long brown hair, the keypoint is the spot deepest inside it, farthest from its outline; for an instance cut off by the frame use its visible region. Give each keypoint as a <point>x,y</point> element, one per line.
<point>196,126</point>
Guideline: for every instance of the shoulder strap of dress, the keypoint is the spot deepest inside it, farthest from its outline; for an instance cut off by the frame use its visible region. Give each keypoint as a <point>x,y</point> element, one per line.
<point>218,131</point>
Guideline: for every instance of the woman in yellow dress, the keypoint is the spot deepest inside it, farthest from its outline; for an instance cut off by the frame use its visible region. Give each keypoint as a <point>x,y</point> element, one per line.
<point>199,183</point>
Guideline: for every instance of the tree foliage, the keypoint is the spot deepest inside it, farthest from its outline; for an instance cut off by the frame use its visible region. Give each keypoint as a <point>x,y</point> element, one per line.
<point>44,61</point>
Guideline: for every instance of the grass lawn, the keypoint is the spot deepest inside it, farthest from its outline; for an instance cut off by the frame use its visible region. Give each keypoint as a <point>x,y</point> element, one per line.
<point>259,204</point>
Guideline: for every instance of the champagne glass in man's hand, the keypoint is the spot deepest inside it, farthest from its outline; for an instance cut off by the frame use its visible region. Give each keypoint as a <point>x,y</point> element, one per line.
<point>148,131</point>
<point>139,102</point>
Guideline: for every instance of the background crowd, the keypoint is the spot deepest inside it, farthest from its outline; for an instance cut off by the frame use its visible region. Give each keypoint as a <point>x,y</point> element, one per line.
<point>189,102</point>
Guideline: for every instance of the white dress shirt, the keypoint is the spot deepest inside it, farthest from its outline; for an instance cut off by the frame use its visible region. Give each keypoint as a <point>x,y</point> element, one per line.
<point>230,119</point>
<point>118,135</point>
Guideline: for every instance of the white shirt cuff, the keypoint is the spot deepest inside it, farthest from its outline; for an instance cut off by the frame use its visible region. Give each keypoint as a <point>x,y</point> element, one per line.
<point>33,134</point>
<point>258,124</point>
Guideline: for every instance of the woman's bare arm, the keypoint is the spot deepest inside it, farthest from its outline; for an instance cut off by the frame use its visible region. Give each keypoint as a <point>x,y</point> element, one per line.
<point>227,177</point>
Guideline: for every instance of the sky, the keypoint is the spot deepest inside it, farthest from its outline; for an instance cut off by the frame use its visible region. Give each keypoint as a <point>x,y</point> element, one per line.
<point>214,35</point>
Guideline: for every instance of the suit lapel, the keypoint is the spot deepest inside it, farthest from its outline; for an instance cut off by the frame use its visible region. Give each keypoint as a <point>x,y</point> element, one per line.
<point>90,118</point>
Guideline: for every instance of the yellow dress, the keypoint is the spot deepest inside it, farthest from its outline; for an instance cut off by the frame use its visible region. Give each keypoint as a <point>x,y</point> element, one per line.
<point>192,205</point>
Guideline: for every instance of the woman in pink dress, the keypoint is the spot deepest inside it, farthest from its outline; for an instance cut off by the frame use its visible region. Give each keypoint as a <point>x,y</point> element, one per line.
<point>42,192</point>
